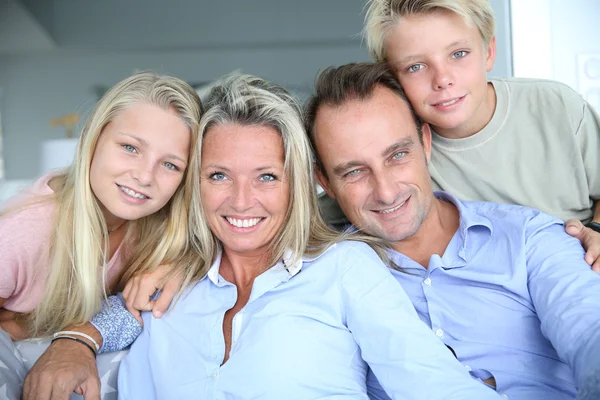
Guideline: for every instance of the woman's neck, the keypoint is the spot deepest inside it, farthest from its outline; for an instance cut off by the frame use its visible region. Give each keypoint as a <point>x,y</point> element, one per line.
<point>242,268</point>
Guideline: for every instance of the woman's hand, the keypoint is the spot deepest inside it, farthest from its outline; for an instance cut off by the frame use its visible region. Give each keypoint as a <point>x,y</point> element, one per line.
<point>590,240</point>
<point>139,290</point>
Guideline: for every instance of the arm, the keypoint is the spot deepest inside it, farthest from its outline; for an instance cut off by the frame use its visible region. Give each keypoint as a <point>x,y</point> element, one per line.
<point>135,373</point>
<point>150,292</point>
<point>67,366</point>
<point>398,347</point>
<point>565,293</point>
<point>588,138</point>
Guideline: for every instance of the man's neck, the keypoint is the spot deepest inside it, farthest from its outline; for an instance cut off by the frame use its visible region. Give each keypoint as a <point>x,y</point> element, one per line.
<point>482,117</point>
<point>434,234</point>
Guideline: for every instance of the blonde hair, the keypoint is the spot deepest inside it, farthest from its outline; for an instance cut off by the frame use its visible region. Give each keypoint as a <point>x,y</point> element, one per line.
<point>383,14</point>
<point>248,100</point>
<point>74,292</point>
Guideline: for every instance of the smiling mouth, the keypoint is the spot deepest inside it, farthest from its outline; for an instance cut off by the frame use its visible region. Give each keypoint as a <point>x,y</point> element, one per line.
<point>391,210</point>
<point>132,193</point>
<point>243,223</point>
<point>449,102</point>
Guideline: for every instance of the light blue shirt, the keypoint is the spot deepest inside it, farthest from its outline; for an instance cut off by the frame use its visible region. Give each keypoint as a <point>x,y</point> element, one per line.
<point>308,331</point>
<point>513,296</point>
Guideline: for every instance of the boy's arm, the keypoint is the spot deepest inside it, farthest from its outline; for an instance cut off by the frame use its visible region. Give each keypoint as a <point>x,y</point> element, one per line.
<point>565,293</point>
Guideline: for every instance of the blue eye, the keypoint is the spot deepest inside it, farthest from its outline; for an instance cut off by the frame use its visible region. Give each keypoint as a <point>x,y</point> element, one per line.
<point>129,148</point>
<point>398,155</point>
<point>354,172</point>
<point>267,178</point>
<point>459,54</point>
<point>415,68</point>
<point>171,166</point>
<point>217,176</point>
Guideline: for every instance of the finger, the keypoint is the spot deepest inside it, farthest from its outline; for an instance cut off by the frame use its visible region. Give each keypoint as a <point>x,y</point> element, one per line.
<point>592,255</point>
<point>127,290</point>
<point>129,302</point>
<point>574,227</point>
<point>92,390</point>
<point>148,286</point>
<point>596,265</point>
<point>60,392</point>
<point>166,296</point>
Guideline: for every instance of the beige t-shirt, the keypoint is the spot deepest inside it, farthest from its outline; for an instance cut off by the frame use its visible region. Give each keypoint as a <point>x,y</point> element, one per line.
<point>539,150</point>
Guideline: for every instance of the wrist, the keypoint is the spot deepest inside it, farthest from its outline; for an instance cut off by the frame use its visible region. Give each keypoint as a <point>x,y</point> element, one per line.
<point>594,225</point>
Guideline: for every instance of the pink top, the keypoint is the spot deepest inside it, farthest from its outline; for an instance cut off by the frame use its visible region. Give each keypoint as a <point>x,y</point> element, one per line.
<point>24,250</point>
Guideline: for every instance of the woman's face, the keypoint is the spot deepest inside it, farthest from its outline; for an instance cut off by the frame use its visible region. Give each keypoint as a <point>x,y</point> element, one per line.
<point>139,162</point>
<point>244,191</point>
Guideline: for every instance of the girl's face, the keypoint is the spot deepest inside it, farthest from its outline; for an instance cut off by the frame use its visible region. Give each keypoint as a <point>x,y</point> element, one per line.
<point>139,162</point>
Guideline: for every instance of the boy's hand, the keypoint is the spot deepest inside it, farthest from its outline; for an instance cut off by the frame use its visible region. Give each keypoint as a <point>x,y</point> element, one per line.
<point>139,290</point>
<point>590,240</point>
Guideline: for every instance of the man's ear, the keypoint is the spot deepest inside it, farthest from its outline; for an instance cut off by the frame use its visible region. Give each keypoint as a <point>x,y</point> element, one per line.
<point>426,132</point>
<point>323,181</point>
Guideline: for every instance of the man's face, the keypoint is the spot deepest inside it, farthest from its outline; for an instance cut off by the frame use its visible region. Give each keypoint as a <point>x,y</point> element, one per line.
<point>374,164</point>
<point>441,63</point>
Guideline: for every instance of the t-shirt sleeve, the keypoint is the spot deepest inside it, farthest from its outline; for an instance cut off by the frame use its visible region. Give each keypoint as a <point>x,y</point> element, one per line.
<point>24,253</point>
<point>588,136</point>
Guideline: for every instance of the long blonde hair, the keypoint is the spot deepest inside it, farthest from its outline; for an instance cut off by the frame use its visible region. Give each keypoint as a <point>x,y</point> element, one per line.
<point>74,290</point>
<point>248,100</point>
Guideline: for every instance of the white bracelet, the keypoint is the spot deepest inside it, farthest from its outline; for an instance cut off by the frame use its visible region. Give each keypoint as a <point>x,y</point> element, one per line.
<point>83,335</point>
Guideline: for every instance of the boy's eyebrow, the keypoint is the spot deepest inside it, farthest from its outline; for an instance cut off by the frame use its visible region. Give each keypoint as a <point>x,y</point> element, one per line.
<point>417,57</point>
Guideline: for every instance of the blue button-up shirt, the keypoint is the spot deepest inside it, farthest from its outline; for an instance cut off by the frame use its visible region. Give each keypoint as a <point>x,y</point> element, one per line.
<point>513,296</point>
<point>307,332</point>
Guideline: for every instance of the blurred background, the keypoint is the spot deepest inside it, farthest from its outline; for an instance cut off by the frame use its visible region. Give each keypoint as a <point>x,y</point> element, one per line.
<point>58,56</point>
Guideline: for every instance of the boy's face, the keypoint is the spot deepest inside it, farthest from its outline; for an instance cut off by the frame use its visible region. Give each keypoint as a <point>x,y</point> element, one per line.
<point>442,63</point>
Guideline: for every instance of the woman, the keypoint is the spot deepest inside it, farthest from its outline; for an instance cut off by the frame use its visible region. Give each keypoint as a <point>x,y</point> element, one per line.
<point>281,308</point>
<point>67,242</point>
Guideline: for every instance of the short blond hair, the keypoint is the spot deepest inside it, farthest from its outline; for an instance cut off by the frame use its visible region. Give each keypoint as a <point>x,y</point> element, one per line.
<point>383,14</point>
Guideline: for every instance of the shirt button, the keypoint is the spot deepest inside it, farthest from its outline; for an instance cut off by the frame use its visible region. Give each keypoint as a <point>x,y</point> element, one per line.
<point>214,376</point>
<point>439,332</point>
<point>427,282</point>
<point>505,397</point>
<point>468,368</point>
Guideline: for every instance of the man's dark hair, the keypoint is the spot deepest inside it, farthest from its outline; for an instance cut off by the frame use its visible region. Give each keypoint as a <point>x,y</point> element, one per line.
<point>338,85</point>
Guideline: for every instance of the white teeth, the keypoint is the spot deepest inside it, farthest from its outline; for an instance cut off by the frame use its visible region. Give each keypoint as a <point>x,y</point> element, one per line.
<point>243,223</point>
<point>391,209</point>
<point>132,193</point>
<point>449,102</point>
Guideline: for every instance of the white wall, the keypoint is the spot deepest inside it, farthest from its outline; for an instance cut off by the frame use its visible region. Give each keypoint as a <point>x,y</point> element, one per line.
<point>560,40</point>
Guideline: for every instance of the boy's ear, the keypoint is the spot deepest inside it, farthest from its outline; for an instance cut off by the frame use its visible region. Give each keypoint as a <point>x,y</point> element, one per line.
<point>490,57</point>
<point>323,181</point>
<point>426,132</point>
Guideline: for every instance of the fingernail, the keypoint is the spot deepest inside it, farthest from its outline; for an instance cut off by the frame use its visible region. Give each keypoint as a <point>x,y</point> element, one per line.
<point>157,314</point>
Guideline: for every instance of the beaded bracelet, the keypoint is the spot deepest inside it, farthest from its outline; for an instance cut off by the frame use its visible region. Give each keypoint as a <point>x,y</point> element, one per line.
<point>77,340</point>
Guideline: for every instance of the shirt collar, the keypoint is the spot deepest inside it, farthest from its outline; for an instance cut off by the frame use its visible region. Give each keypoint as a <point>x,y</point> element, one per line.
<point>468,217</point>
<point>288,255</point>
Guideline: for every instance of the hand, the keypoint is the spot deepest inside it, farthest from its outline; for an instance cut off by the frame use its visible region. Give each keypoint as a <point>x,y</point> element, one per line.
<point>590,240</point>
<point>139,290</point>
<point>65,367</point>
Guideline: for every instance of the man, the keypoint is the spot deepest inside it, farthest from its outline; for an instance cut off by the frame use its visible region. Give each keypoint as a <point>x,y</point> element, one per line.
<point>504,286</point>
<point>543,133</point>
